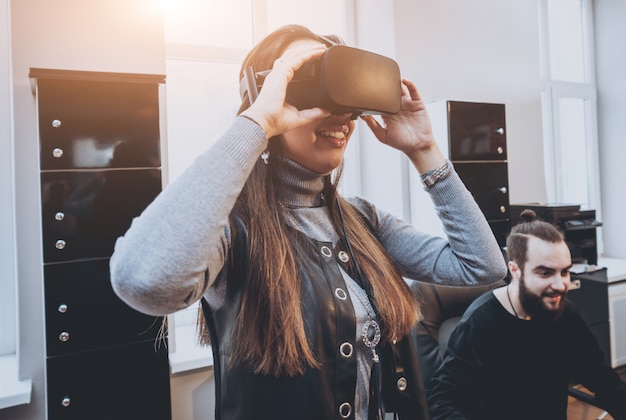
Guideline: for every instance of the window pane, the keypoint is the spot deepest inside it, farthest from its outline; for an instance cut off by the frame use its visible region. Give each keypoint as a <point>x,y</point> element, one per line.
<point>565,25</point>
<point>573,151</point>
<point>212,23</point>
<point>315,15</point>
<point>202,100</point>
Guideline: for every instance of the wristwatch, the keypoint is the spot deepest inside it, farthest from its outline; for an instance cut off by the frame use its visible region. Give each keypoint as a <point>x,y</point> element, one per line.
<point>430,178</point>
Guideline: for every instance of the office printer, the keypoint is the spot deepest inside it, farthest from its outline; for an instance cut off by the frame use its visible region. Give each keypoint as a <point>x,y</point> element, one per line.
<point>578,226</point>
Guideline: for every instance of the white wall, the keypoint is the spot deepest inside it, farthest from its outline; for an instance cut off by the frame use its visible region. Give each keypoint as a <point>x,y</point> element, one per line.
<point>481,51</point>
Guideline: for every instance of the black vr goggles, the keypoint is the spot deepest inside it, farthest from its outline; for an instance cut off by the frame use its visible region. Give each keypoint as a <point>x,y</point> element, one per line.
<point>343,80</point>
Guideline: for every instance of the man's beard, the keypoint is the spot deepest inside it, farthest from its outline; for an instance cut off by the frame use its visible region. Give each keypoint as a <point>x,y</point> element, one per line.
<point>535,307</point>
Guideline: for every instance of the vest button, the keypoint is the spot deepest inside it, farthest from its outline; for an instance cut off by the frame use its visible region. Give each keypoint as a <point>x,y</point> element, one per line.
<point>346,349</point>
<point>402,384</point>
<point>345,410</point>
<point>343,256</point>
<point>340,293</point>
<point>326,251</point>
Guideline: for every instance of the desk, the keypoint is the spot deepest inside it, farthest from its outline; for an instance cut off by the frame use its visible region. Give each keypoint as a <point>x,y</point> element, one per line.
<point>616,269</point>
<point>616,277</point>
<point>600,293</point>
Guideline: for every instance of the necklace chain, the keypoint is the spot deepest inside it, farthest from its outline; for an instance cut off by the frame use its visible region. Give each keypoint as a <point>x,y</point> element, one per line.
<point>365,302</point>
<point>508,295</point>
<point>370,334</point>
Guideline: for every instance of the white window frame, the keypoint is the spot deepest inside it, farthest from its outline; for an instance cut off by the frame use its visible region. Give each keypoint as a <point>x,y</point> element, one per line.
<point>8,263</point>
<point>552,92</point>
<point>13,391</point>
<point>563,90</point>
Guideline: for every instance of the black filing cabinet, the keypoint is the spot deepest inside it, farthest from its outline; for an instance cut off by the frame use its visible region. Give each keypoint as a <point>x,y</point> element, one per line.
<point>100,166</point>
<point>477,148</point>
<point>473,136</point>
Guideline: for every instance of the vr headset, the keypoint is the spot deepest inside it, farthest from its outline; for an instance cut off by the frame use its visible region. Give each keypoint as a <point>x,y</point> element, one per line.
<point>343,80</point>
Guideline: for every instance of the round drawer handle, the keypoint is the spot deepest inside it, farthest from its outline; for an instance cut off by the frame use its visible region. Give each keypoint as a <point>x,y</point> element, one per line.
<point>56,123</point>
<point>57,152</point>
<point>60,244</point>
<point>500,150</point>
<point>62,308</point>
<point>59,215</point>
<point>65,402</point>
<point>64,336</point>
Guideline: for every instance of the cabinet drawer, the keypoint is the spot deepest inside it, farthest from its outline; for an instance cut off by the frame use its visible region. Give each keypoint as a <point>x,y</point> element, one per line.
<point>477,131</point>
<point>590,293</point>
<point>501,230</point>
<point>89,124</point>
<point>488,183</point>
<point>122,383</point>
<point>84,212</point>
<point>83,312</point>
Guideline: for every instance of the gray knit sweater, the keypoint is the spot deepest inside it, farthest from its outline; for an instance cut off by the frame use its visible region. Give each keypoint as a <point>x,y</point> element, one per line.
<point>160,265</point>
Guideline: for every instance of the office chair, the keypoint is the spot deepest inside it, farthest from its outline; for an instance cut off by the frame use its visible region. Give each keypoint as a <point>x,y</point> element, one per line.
<point>442,308</point>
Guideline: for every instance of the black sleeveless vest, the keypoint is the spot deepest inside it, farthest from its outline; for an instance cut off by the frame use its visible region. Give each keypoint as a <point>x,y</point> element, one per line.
<point>318,394</point>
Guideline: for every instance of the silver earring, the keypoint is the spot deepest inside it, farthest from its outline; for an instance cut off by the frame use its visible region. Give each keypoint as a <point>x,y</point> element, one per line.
<point>265,156</point>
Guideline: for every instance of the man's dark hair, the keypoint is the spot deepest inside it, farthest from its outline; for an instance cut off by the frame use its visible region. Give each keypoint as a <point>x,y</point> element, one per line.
<point>529,225</point>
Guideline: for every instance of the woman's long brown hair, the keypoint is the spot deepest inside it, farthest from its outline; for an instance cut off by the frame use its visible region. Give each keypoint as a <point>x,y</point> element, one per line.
<point>269,331</point>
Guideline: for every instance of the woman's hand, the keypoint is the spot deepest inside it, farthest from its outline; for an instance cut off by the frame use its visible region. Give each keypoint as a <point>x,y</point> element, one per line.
<point>409,130</point>
<point>270,110</point>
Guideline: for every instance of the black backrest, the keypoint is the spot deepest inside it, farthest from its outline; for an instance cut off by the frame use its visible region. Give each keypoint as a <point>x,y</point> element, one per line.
<point>442,307</point>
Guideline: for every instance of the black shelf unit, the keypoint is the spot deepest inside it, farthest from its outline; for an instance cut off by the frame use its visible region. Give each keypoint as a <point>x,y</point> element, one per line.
<point>100,166</point>
<point>473,136</point>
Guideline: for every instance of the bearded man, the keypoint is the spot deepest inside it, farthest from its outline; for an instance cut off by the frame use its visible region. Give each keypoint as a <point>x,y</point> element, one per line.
<point>517,348</point>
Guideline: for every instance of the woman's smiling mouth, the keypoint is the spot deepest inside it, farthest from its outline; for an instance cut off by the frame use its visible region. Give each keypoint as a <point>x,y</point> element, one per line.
<point>334,134</point>
<point>336,137</point>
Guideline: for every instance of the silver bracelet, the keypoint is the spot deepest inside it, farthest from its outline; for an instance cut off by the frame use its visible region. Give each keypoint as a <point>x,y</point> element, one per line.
<point>429,178</point>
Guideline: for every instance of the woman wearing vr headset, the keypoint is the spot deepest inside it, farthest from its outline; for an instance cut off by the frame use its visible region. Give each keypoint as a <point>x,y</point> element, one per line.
<point>302,290</point>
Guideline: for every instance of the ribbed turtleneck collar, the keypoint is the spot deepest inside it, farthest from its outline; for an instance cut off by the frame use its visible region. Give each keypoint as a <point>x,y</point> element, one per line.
<point>303,187</point>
